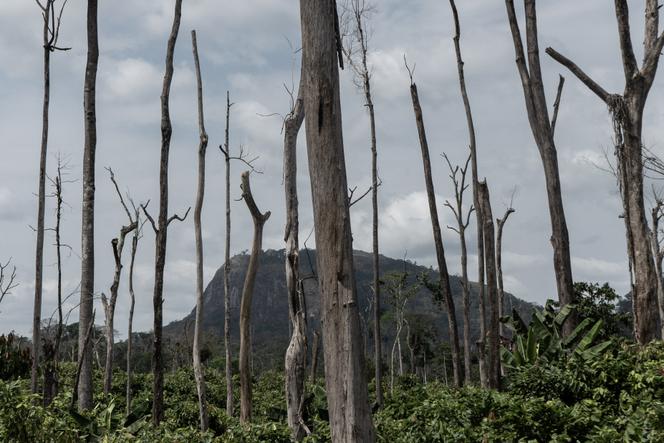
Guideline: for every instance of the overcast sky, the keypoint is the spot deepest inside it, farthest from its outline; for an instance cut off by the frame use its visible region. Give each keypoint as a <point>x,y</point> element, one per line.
<point>245,48</point>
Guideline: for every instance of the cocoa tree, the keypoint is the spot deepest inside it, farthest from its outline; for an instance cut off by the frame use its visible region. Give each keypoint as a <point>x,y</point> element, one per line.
<point>259,220</point>
<point>627,110</point>
<point>458,177</point>
<point>345,377</point>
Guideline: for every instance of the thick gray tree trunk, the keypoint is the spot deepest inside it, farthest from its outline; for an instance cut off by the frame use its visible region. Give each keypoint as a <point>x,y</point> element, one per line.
<point>198,209</point>
<point>88,210</point>
<point>345,371</point>
<point>542,129</point>
<point>259,220</point>
<point>445,289</point>
<point>627,112</point>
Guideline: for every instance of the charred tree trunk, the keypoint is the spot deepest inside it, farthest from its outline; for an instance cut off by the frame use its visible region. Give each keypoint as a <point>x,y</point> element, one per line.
<point>227,268</point>
<point>345,371</point>
<point>88,210</point>
<point>198,209</point>
<point>259,220</point>
<point>627,113</point>
<point>446,292</point>
<point>493,354</point>
<point>296,354</point>
<point>538,116</point>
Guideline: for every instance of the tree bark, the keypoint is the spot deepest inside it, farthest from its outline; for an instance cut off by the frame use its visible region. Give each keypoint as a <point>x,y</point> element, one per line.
<point>88,209</point>
<point>227,269</point>
<point>314,356</point>
<point>296,354</point>
<point>499,264</point>
<point>198,209</point>
<point>658,254</point>
<point>538,116</point>
<point>259,220</point>
<point>132,303</point>
<point>446,292</point>
<point>493,354</point>
<point>345,371</point>
<point>627,113</point>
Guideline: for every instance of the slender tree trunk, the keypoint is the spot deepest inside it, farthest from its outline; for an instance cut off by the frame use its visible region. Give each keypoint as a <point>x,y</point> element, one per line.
<point>658,253</point>
<point>259,220</point>
<point>493,369</point>
<point>314,356</point>
<point>88,207</point>
<point>345,371</point>
<point>438,239</point>
<point>132,303</point>
<point>296,354</point>
<point>499,264</point>
<point>162,226</point>
<point>227,270</point>
<point>542,129</point>
<point>198,209</point>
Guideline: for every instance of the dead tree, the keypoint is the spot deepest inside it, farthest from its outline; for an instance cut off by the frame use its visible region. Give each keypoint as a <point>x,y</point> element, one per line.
<point>259,220</point>
<point>88,210</point>
<point>161,226</point>
<point>7,279</point>
<point>198,209</point>
<point>345,371</point>
<point>658,254</point>
<point>538,115</point>
<point>132,302</point>
<point>493,354</point>
<point>462,221</point>
<point>296,355</point>
<point>627,113</point>
<point>478,215</point>
<point>500,222</point>
<point>444,282</point>
<point>117,245</point>
<point>81,357</point>
<point>356,50</point>
<point>50,34</point>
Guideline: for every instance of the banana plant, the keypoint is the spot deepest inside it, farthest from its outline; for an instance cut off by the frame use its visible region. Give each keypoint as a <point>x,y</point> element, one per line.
<point>542,341</point>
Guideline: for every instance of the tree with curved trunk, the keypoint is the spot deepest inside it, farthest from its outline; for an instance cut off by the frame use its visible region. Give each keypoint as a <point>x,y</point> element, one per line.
<point>345,371</point>
<point>542,128</point>
<point>499,262</point>
<point>117,245</point>
<point>627,112</point>
<point>259,220</point>
<point>161,226</point>
<point>198,209</point>
<point>88,211</point>
<point>50,34</point>
<point>444,277</point>
<point>493,345</point>
<point>478,215</point>
<point>462,221</point>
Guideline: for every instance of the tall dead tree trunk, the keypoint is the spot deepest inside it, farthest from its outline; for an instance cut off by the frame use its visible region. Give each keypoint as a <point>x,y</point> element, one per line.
<point>132,303</point>
<point>357,59</point>
<point>117,244</point>
<point>446,292</point>
<point>478,214</point>
<point>88,210</point>
<point>259,220</point>
<point>627,113</point>
<point>493,354</point>
<point>542,129</point>
<point>462,221</point>
<point>198,209</point>
<point>161,227</point>
<point>499,263</point>
<point>296,354</point>
<point>345,371</point>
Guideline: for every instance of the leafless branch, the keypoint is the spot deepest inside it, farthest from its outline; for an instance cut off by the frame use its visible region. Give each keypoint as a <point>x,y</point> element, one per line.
<point>7,279</point>
<point>556,104</point>
<point>177,217</point>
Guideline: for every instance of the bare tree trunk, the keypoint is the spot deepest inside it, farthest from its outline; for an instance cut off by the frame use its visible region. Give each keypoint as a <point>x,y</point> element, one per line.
<point>198,209</point>
<point>658,253</point>
<point>88,210</point>
<point>132,303</point>
<point>478,213</point>
<point>493,354</point>
<point>538,116</point>
<point>499,264</point>
<point>227,269</point>
<point>296,354</point>
<point>627,113</point>
<point>259,220</point>
<point>314,356</point>
<point>81,357</point>
<point>345,371</point>
<point>438,239</point>
<point>161,228</point>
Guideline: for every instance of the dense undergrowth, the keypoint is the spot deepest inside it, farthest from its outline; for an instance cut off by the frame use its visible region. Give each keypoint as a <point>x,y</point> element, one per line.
<point>615,396</point>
